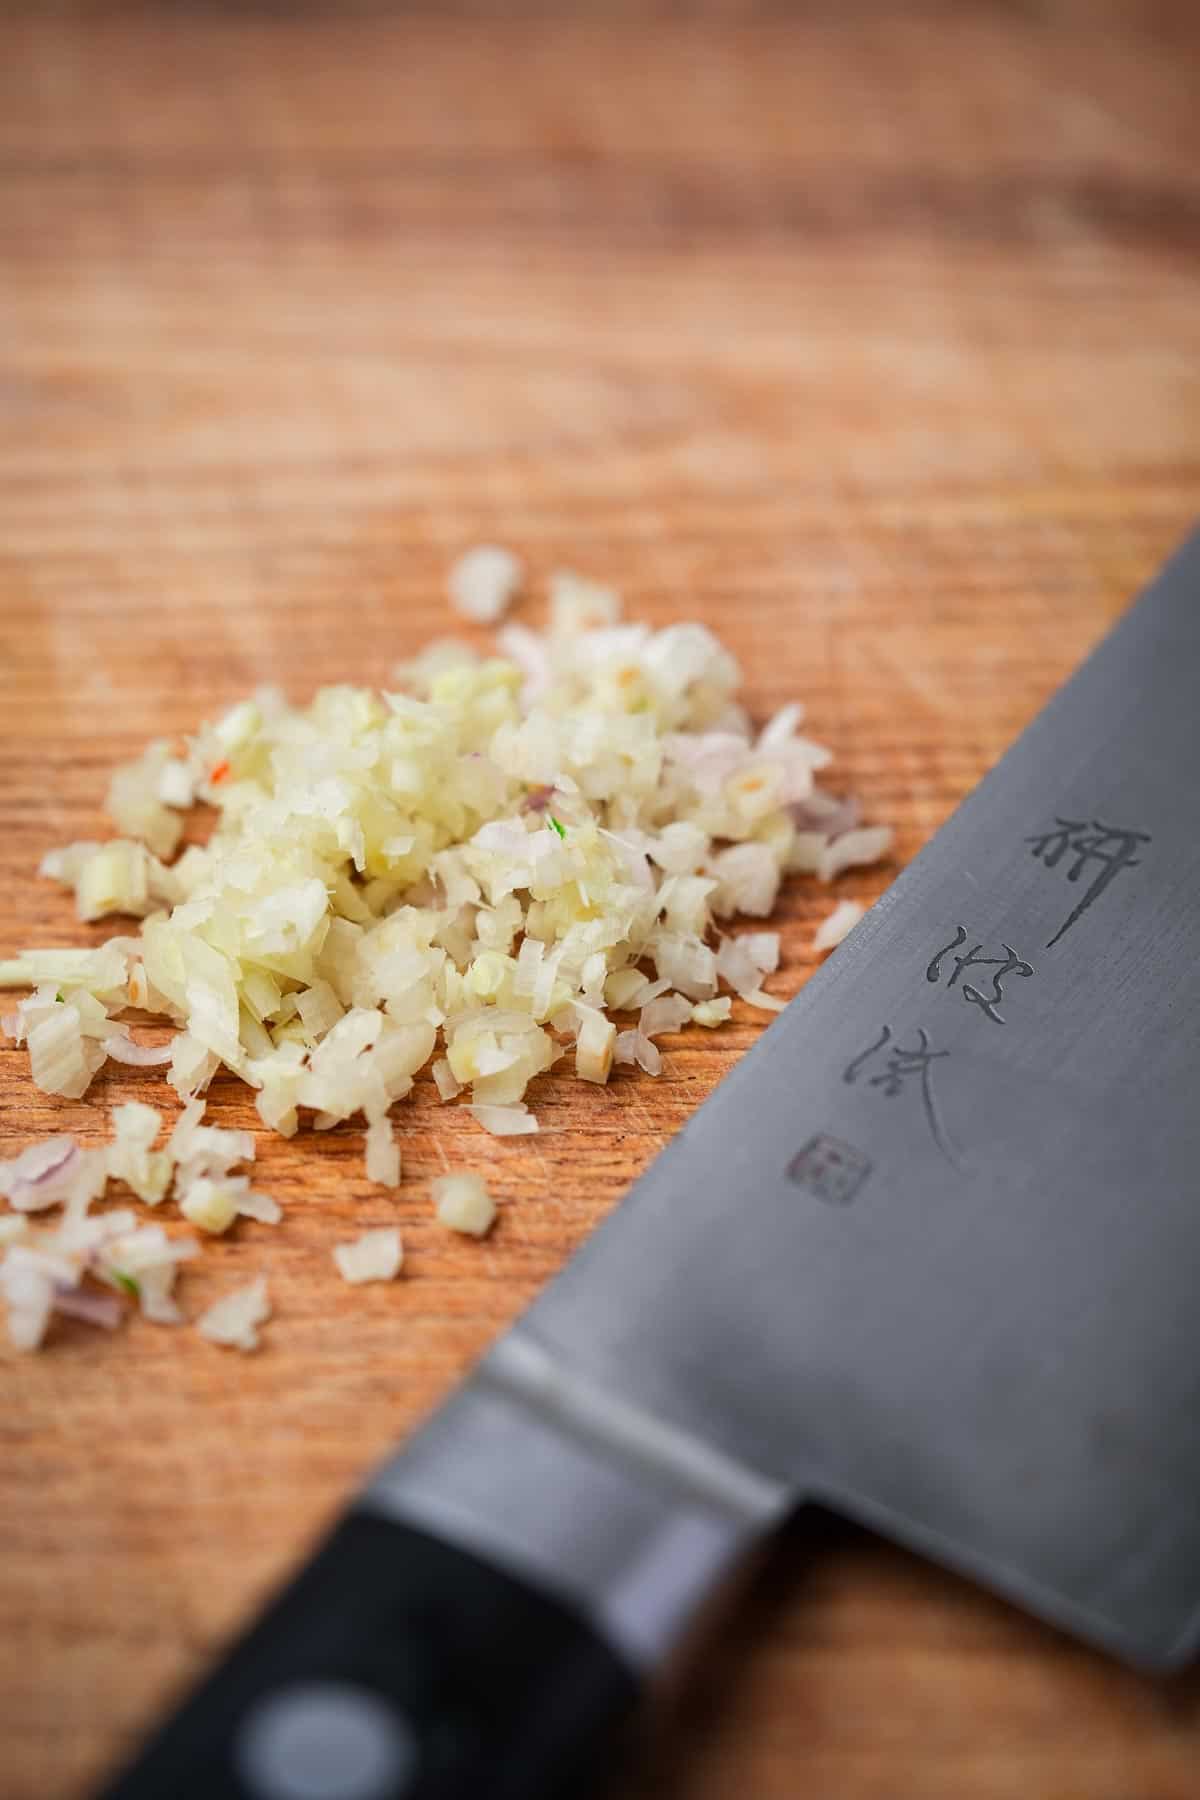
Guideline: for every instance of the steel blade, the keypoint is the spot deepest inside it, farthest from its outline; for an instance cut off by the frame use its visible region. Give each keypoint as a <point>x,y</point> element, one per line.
<point>930,1254</point>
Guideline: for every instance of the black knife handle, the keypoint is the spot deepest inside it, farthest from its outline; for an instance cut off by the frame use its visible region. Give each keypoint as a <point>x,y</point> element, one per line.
<point>396,1667</point>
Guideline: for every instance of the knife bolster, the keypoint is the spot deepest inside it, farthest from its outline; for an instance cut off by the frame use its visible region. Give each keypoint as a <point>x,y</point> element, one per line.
<point>621,1516</point>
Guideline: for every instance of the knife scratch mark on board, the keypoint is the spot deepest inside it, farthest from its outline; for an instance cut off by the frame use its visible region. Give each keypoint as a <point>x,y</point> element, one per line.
<point>916,678</point>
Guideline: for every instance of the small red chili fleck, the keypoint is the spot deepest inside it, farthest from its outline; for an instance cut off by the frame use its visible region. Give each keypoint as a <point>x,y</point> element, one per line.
<point>218,772</point>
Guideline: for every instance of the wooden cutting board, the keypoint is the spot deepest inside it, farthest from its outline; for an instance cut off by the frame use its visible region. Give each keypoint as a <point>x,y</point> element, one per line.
<point>871,337</point>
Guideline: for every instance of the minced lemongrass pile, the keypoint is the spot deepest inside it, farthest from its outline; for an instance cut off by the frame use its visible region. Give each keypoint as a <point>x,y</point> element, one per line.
<point>475,868</point>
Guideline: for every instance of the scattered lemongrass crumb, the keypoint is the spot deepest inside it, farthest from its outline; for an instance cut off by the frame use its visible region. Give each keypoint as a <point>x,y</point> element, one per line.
<point>484,582</point>
<point>464,1204</point>
<point>375,1256</point>
<point>838,924</point>
<point>234,1318</point>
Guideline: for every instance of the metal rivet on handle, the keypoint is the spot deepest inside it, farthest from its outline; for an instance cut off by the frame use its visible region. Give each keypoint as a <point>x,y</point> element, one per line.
<point>325,1740</point>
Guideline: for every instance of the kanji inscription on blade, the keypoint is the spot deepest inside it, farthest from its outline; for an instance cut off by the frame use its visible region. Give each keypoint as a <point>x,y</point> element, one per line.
<point>900,1070</point>
<point>1089,847</point>
<point>987,1000</point>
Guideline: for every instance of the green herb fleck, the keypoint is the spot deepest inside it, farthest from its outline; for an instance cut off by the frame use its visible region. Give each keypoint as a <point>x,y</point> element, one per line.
<point>127,1282</point>
<point>555,826</point>
<point>58,1000</point>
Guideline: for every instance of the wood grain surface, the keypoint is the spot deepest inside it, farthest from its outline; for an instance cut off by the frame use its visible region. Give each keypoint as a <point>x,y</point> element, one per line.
<point>869,334</point>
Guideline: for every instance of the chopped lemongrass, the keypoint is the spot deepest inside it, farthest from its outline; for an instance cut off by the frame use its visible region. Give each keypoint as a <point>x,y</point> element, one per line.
<point>594,1048</point>
<point>465,874</point>
<point>212,1205</point>
<point>866,844</point>
<point>712,1012</point>
<point>383,1153</point>
<point>506,1121</point>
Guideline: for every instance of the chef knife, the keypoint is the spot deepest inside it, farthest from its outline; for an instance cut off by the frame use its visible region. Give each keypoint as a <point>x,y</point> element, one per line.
<point>928,1257</point>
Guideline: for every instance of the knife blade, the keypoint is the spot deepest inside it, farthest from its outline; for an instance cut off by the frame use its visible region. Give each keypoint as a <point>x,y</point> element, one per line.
<point>927,1257</point>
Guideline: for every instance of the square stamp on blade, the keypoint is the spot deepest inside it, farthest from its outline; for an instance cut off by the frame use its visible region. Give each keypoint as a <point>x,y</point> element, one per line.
<point>829,1170</point>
